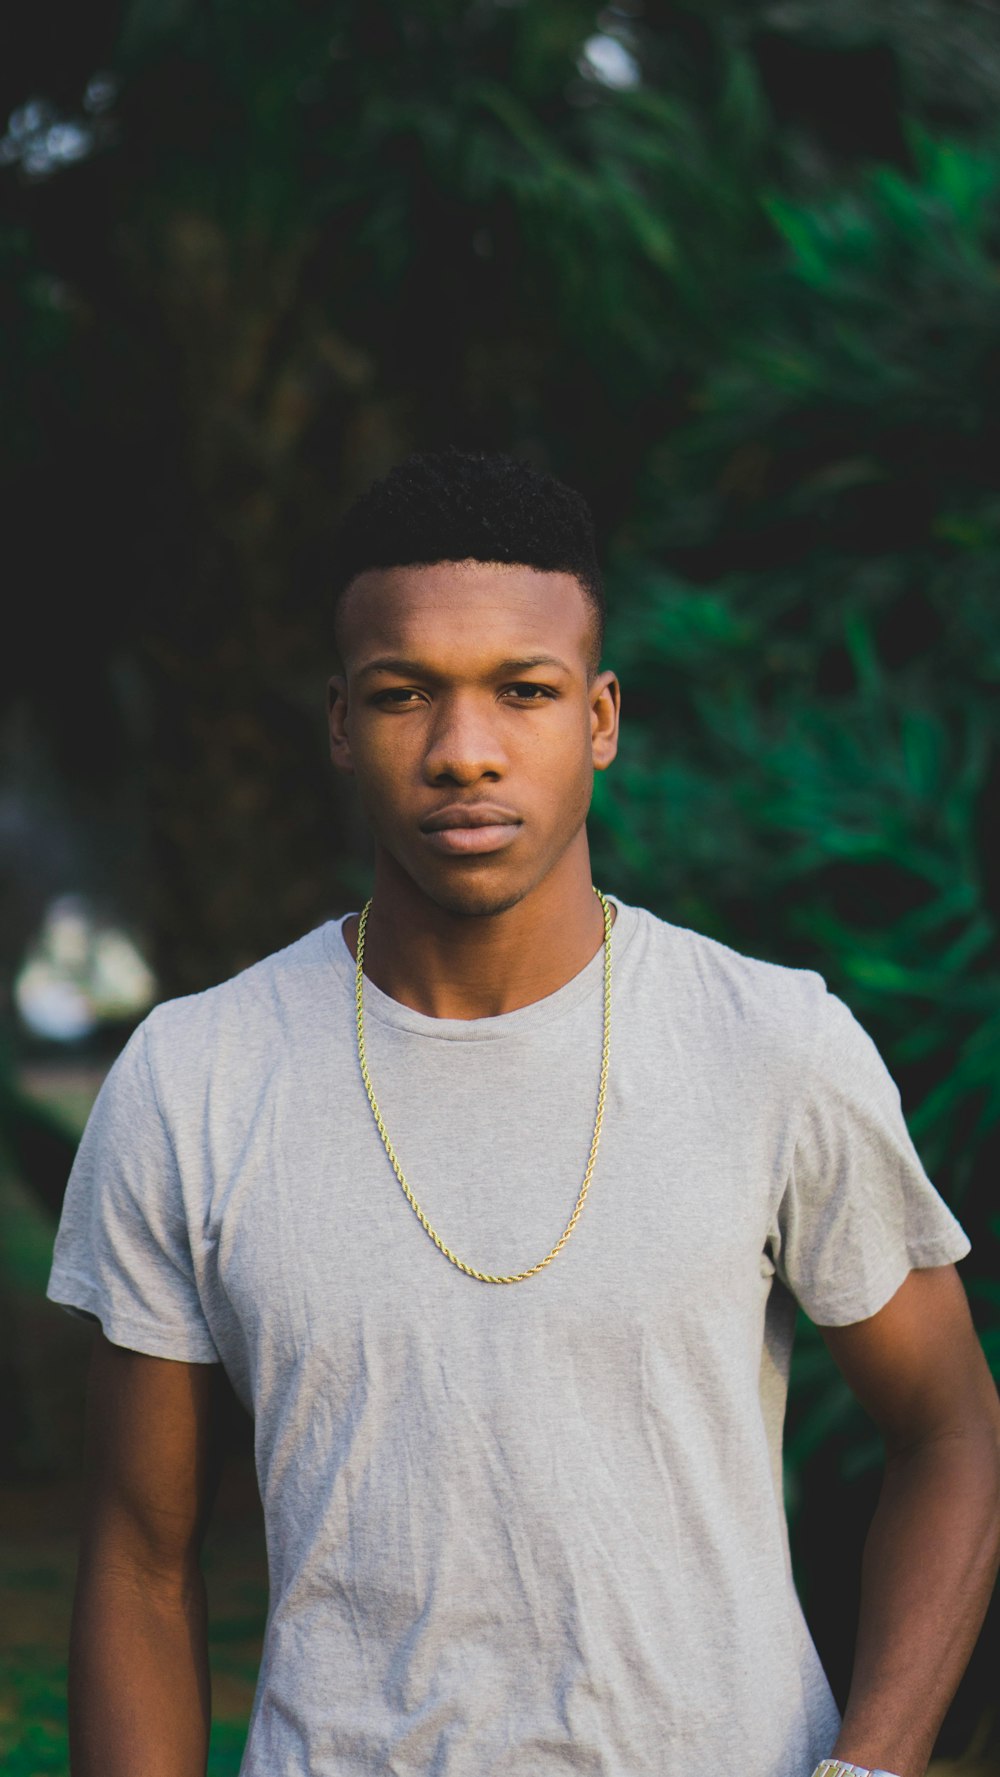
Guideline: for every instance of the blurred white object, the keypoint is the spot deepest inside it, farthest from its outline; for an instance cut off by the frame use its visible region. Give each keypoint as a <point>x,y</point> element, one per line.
<point>608,60</point>
<point>52,1007</point>
<point>79,975</point>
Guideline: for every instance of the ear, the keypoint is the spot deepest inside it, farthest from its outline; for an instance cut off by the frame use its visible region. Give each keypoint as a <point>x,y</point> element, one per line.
<point>340,746</point>
<point>605,712</point>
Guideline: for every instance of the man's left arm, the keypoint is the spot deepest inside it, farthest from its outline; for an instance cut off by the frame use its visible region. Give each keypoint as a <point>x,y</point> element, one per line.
<point>931,1555</point>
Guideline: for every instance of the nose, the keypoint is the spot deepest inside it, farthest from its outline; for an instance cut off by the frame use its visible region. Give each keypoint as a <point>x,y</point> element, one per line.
<point>464,746</point>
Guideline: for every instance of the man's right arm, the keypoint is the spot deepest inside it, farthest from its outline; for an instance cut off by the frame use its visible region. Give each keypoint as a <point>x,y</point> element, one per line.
<point>139,1695</point>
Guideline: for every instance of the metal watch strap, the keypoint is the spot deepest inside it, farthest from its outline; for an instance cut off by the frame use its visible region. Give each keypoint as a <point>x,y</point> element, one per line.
<point>838,1767</point>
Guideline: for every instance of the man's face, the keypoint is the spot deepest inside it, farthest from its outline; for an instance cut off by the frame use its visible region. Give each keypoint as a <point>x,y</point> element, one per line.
<point>468,711</point>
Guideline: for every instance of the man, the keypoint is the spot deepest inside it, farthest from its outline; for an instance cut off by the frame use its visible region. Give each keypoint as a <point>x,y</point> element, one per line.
<point>518,1407</point>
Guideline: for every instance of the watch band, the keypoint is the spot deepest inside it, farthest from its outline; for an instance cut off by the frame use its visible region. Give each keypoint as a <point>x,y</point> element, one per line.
<point>838,1767</point>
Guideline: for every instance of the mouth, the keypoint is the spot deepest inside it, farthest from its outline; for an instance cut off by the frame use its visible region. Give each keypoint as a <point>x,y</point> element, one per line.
<point>472,828</point>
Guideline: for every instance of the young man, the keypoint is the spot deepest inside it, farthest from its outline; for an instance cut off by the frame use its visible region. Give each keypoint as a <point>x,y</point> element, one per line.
<point>518,1422</point>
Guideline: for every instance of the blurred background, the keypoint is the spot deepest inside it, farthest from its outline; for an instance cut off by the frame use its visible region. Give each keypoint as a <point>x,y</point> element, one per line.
<point>733,270</point>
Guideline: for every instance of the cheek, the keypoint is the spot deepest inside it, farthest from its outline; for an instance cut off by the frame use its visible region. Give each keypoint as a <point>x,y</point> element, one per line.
<point>382,761</point>
<point>564,773</point>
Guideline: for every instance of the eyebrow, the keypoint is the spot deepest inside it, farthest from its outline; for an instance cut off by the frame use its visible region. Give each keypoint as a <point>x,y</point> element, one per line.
<point>418,669</point>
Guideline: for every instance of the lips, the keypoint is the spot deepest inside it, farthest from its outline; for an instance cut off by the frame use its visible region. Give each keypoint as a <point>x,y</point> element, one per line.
<point>473,827</point>
<point>470,814</point>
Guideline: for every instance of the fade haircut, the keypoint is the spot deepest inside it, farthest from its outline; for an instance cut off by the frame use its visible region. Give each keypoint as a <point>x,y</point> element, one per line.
<point>454,506</point>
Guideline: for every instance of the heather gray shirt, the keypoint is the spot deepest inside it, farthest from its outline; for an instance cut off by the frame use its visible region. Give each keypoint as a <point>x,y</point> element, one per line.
<point>524,1531</point>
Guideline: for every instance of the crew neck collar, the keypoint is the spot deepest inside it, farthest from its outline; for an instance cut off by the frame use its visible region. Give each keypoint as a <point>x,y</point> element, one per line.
<point>385,1010</point>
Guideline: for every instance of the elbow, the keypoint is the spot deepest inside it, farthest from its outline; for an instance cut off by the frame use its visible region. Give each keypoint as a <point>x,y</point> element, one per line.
<point>966,1447</point>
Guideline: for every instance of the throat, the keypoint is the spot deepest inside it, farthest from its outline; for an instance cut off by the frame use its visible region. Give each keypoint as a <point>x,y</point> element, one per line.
<point>473,973</point>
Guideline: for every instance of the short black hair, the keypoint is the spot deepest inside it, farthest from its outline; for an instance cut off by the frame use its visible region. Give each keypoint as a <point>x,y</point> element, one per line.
<point>458,505</point>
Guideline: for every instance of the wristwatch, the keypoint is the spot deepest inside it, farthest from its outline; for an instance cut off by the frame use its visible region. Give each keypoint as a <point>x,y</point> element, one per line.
<point>838,1767</point>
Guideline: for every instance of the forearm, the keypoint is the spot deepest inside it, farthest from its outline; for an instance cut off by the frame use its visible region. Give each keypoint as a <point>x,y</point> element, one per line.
<point>929,1566</point>
<point>139,1693</point>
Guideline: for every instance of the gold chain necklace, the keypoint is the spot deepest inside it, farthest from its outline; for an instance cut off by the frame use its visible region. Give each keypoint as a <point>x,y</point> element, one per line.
<point>470,1270</point>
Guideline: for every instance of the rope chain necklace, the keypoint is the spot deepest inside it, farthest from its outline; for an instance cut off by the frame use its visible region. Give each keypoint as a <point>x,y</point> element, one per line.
<point>470,1270</point>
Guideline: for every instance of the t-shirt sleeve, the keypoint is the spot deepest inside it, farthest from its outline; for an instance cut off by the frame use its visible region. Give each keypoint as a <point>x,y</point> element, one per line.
<point>858,1211</point>
<point>122,1252</point>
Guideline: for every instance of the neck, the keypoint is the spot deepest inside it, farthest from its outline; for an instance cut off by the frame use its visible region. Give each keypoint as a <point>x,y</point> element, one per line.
<point>450,965</point>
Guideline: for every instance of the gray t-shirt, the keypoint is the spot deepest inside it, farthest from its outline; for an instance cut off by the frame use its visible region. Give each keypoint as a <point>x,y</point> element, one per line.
<point>522,1531</point>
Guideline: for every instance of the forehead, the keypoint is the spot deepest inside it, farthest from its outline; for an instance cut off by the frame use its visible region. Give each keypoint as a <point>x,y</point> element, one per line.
<point>455,610</point>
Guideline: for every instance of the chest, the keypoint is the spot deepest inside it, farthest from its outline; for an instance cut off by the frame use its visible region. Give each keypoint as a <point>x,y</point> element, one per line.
<point>307,1246</point>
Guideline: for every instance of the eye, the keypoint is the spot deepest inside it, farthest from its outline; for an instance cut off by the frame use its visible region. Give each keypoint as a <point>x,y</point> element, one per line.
<point>397,697</point>
<point>528,692</point>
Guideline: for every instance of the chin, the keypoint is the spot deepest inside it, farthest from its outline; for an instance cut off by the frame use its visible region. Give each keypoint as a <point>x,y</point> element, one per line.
<point>475,899</point>
<point>471,890</point>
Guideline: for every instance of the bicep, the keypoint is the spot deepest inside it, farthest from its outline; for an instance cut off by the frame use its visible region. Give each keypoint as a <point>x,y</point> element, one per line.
<point>152,1456</point>
<point>917,1366</point>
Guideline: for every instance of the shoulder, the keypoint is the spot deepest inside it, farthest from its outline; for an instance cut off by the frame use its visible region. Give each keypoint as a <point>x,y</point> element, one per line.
<point>710,982</point>
<point>239,1021</point>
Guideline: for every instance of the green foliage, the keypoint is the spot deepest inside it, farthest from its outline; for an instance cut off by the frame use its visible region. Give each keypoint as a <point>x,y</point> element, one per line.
<point>810,777</point>
<point>34,1741</point>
